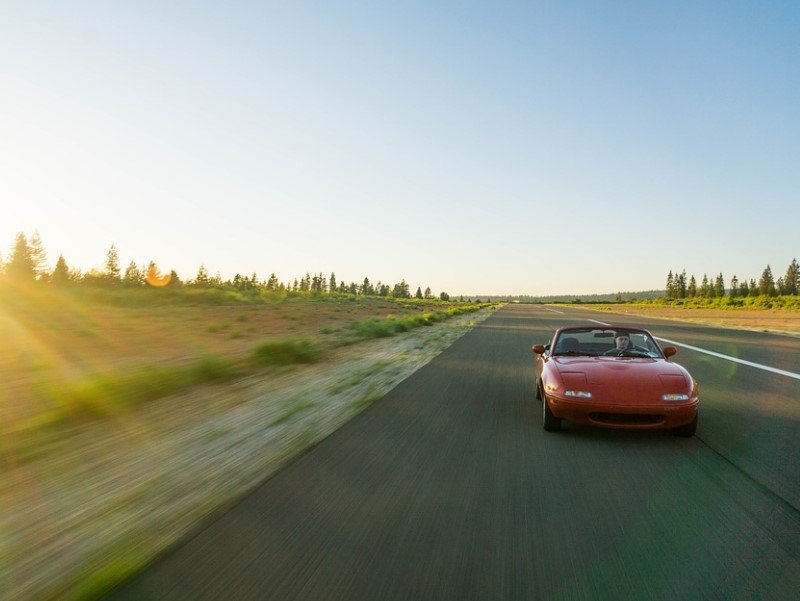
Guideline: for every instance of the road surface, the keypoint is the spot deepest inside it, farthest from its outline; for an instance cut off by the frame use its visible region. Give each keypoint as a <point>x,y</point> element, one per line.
<point>449,488</point>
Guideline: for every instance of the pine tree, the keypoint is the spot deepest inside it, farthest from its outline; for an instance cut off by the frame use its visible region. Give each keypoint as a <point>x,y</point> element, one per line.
<point>21,266</point>
<point>332,282</point>
<point>153,274</point>
<point>366,287</point>
<point>38,256</point>
<point>680,284</point>
<point>401,290</point>
<point>691,289</point>
<point>133,275</point>
<point>112,265</point>
<point>719,286</point>
<point>705,288</point>
<point>791,280</point>
<point>272,282</point>
<point>201,279</point>
<point>734,291</point>
<point>743,288</point>
<point>428,293</point>
<point>444,296</point>
<point>61,272</point>
<point>418,294</point>
<point>174,280</point>
<point>670,285</point>
<point>780,287</point>
<point>752,288</point>
<point>766,285</point>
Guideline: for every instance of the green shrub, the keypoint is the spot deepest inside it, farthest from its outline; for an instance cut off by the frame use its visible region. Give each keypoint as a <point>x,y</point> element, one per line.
<point>111,393</point>
<point>383,328</point>
<point>287,351</point>
<point>212,369</point>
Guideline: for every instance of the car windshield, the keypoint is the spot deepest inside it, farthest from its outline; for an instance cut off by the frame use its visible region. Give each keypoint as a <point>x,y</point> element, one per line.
<point>614,342</point>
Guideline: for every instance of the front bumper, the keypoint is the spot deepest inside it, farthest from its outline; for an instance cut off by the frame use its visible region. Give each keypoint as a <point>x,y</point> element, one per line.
<point>629,417</point>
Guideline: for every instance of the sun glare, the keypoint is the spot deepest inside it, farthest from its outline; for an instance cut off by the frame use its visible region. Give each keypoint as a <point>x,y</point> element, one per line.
<point>154,278</point>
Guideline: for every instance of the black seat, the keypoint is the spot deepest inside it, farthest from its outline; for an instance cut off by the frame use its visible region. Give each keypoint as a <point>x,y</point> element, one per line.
<point>565,345</point>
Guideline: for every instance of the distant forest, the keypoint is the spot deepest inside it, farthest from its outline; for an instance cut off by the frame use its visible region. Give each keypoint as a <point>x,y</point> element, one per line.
<point>787,285</point>
<point>27,263</point>
<point>679,286</point>
<point>609,297</point>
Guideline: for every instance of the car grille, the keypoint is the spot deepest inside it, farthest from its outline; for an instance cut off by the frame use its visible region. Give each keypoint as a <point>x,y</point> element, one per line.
<point>627,418</point>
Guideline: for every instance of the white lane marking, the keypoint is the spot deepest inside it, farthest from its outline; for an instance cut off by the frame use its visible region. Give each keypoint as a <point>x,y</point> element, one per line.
<point>553,310</point>
<point>774,370</point>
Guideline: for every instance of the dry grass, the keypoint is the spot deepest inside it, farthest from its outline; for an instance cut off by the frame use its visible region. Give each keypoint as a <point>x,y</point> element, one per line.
<point>60,347</point>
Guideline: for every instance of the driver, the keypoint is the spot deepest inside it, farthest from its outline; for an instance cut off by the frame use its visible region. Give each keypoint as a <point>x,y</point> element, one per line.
<point>621,343</point>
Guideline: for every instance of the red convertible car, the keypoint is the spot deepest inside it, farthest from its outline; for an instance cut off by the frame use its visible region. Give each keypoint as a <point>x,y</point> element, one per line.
<point>614,377</point>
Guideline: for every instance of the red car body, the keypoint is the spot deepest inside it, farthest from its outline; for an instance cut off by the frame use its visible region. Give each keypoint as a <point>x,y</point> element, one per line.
<point>595,384</point>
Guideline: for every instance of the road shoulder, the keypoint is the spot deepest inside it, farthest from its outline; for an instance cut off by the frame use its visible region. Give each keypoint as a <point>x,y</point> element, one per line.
<point>77,523</point>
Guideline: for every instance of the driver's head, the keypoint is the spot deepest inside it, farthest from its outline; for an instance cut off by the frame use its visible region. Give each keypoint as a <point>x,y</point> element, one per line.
<point>622,341</point>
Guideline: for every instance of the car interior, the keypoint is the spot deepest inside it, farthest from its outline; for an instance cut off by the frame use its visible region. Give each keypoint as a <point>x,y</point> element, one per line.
<point>596,342</point>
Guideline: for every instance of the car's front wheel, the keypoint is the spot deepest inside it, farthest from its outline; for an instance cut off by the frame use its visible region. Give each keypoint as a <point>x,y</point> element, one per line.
<point>687,430</point>
<point>550,422</point>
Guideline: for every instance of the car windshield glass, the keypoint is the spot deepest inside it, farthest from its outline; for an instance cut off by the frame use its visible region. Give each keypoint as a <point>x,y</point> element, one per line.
<point>613,342</point>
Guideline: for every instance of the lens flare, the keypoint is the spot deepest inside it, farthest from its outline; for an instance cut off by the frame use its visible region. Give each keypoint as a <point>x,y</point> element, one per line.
<point>154,278</point>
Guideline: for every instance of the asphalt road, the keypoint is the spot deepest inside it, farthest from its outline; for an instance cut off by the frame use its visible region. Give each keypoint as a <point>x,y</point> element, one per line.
<point>448,488</point>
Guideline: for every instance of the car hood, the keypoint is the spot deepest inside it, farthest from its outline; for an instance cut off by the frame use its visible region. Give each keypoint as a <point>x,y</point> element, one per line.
<point>623,380</point>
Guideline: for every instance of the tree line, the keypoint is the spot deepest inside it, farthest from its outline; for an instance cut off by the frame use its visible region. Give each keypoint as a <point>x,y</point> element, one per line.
<point>27,263</point>
<point>787,285</point>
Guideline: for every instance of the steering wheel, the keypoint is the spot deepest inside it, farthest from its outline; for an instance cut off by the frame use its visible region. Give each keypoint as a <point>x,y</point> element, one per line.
<point>619,352</point>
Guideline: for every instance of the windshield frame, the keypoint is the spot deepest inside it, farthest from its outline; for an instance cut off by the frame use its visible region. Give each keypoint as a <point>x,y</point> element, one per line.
<point>589,343</point>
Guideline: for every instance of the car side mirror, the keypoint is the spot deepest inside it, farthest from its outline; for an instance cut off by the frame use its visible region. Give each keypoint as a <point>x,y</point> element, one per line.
<point>669,351</point>
<point>538,349</point>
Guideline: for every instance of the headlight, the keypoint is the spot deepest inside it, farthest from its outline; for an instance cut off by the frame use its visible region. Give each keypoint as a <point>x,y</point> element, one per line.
<point>675,397</point>
<point>581,394</point>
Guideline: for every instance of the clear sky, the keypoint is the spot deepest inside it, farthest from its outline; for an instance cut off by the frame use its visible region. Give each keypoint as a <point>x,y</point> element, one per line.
<point>473,147</point>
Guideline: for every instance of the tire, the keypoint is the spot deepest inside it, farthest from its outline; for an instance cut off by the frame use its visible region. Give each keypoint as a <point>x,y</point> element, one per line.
<point>550,422</point>
<point>687,430</point>
<point>538,391</point>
